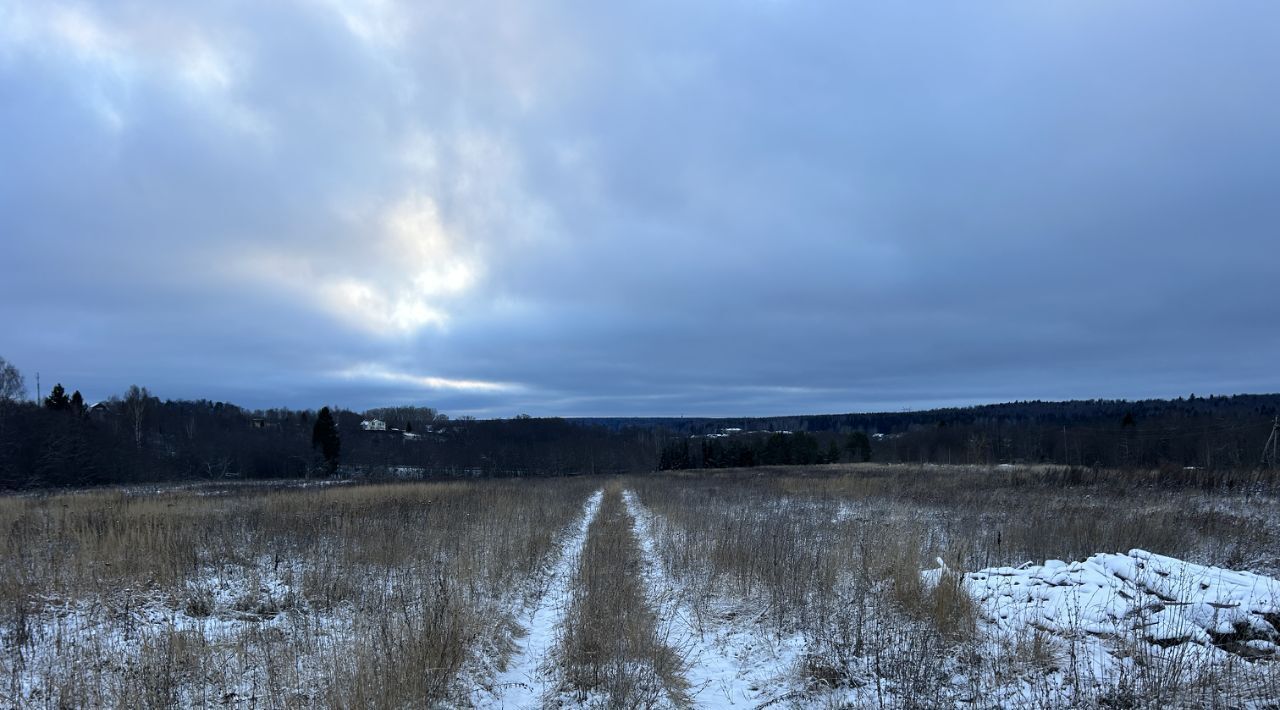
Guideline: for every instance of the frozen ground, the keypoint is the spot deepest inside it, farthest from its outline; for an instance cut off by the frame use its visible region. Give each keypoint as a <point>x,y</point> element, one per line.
<point>1056,634</point>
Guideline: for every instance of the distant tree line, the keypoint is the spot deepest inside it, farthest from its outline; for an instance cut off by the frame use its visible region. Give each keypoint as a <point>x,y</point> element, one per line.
<point>1215,432</point>
<point>136,437</point>
<point>747,450</point>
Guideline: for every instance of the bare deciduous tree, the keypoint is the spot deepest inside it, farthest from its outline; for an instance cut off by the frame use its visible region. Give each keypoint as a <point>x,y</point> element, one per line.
<point>135,404</point>
<point>12,386</point>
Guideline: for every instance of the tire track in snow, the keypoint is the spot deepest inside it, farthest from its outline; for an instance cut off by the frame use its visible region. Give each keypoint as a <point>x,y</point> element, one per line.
<point>727,666</point>
<point>530,671</point>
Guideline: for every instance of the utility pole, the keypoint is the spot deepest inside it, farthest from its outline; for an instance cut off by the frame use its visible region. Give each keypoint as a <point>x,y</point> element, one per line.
<point>37,387</point>
<point>1273,442</point>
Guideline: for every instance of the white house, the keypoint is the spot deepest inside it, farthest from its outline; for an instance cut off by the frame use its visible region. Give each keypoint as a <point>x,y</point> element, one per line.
<point>373,425</point>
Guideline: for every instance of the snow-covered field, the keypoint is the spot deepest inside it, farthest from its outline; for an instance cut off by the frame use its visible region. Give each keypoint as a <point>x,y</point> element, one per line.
<point>777,591</point>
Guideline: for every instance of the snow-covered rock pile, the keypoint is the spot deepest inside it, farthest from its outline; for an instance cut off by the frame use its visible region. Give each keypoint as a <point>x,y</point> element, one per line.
<point>1141,595</point>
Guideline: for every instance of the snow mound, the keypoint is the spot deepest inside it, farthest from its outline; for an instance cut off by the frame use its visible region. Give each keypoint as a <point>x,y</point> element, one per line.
<point>1162,600</point>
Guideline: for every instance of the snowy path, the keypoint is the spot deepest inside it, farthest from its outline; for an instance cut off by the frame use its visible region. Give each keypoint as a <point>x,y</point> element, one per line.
<point>727,665</point>
<point>530,671</point>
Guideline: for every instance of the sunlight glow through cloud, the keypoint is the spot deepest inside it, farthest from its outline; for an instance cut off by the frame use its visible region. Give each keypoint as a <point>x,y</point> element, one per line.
<point>398,280</point>
<point>379,373</point>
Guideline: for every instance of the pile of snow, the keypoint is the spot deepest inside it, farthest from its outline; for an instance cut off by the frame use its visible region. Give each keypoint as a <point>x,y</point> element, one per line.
<point>1162,600</point>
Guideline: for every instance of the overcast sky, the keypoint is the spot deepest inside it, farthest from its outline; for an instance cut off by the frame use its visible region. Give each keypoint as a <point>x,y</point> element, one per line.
<point>658,208</point>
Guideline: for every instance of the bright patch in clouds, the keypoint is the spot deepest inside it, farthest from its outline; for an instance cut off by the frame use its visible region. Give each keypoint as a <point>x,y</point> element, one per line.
<point>82,33</point>
<point>398,280</point>
<point>378,373</point>
<point>377,22</point>
<point>115,55</point>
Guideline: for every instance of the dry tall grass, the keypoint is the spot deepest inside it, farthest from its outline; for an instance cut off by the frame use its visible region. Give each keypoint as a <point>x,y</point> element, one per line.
<point>611,652</point>
<point>402,595</point>
<point>365,596</point>
<point>835,554</point>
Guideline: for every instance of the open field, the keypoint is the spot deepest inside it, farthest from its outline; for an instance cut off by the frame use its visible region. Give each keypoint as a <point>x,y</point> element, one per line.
<point>839,586</point>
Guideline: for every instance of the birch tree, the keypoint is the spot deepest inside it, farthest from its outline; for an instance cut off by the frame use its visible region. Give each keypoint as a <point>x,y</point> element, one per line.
<point>135,407</point>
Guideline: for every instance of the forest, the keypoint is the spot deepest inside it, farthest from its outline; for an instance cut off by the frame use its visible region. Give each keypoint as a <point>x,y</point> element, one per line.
<point>62,441</point>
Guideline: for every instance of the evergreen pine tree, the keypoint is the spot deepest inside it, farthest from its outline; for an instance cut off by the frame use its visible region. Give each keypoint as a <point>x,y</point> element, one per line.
<point>833,452</point>
<point>57,399</point>
<point>859,446</point>
<point>325,437</point>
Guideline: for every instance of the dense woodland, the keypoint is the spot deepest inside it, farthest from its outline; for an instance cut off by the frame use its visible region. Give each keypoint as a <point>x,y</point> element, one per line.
<point>1215,432</point>
<point>138,437</point>
<point>149,439</point>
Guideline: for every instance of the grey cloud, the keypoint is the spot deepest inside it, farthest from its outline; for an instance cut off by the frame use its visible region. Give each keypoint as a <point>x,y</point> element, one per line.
<point>671,209</point>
